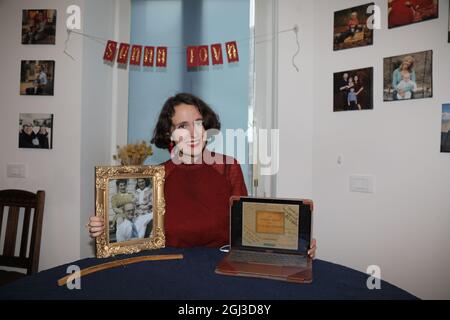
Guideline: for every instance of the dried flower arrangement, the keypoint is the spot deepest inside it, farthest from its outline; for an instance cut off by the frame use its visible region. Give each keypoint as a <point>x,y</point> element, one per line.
<point>133,153</point>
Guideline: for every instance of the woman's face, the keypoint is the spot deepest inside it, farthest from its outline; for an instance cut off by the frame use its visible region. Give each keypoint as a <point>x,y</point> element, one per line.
<point>141,184</point>
<point>356,78</point>
<point>187,130</point>
<point>407,63</point>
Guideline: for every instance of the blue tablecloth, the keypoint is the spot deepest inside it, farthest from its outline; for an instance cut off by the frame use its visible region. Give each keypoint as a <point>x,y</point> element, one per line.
<point>194,278</point>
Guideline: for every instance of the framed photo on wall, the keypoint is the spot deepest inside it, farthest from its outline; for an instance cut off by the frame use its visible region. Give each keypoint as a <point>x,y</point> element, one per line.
<point>408,76</point>
<point>36,131</point>
<point>405,12</point>
<point>37,77</point>
<point>130,200</point>
<point>38,26</point>
<point>353,90</point>
<point>445,132</point>
<point>351,29</point>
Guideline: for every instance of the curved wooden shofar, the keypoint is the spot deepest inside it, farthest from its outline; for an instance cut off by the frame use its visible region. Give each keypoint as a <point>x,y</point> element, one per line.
<point>119,263</point>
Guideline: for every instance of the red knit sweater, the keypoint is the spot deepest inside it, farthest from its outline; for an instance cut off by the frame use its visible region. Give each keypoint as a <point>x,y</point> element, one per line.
<point>197,202</point>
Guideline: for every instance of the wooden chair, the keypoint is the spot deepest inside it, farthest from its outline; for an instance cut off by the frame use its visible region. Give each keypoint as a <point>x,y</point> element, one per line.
<point>29,202</point>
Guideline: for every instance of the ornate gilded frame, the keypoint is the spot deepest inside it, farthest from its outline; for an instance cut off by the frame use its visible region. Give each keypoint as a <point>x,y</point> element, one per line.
<point>103,174</point>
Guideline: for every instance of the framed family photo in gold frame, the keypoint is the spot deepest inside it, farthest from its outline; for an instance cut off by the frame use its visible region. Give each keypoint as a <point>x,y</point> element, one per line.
<point>130,200</point>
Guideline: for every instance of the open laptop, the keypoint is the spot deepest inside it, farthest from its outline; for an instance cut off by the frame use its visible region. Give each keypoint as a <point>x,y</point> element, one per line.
<point>269,238</point>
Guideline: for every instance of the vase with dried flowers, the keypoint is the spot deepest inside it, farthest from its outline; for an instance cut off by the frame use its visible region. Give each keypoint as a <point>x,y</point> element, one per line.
<point>133,153</point>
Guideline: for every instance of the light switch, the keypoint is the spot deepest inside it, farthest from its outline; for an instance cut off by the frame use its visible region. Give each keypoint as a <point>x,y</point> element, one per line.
<point>16,170</point>
<point>362,183</point>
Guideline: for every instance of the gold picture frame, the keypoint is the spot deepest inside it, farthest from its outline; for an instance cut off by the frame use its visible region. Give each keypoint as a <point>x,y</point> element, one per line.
<point>134,216</point>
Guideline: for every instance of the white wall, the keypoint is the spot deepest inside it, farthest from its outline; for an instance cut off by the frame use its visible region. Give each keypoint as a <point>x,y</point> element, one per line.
<point>404,226</point>
<point>295,99</point>
<point>56,171</point>
<point>90,109</point>
<point>104,102</point>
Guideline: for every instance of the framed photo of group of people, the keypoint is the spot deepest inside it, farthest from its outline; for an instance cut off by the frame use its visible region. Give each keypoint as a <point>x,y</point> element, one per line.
<point>353,90</point>
<point>37,78</point>
<point>405,77</point>
<point>130,200</point>
<point>36,130</point>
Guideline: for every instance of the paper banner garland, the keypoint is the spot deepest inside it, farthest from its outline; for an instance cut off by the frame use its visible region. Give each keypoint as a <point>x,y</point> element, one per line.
<point>216,54</point>
<point>110,51</point>
<point>232,52</point>
<point>149,53</point>
<point>135,58</point>
<point>122,57</point>
<point>149,56</point>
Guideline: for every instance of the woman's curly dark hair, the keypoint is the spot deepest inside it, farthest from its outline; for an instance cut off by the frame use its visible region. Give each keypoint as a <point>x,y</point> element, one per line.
<point>163,129</point>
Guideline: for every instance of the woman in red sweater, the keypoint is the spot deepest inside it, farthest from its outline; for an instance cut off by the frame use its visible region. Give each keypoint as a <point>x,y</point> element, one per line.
<point>198,183</point>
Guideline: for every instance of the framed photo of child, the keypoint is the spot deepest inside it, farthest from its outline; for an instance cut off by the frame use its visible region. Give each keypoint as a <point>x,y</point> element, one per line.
<point>351,28</point>
<point>130,199</point>
<point>408,76</point>
<point>405,12</point>
<point>353,90</point>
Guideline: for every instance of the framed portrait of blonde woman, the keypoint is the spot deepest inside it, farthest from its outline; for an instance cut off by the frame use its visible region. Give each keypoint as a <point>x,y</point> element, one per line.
<point>130,201</point>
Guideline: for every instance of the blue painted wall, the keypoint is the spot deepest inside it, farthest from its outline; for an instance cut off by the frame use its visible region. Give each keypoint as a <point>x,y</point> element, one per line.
<point>176,24</point>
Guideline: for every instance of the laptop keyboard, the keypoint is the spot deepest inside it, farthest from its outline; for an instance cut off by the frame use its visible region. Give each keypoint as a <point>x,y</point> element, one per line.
<point>282,260</point>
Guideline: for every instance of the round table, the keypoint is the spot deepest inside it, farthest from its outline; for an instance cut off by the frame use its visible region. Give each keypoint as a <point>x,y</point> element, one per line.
<point>193,278</point>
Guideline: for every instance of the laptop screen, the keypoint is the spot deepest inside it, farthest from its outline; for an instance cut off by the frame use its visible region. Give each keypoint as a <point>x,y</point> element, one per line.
<point>272,225</point>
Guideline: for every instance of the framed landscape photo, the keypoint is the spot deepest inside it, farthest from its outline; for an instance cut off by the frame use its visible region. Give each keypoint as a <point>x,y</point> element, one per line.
<point>445,132</point>
<point>38,26</point>
<point>130,200</point>
<point>351,28</point>
<point>408,76</point>
<point>353,90</point>
<point>36,131</point>
<point>405,12</point>
<point>37,77</point>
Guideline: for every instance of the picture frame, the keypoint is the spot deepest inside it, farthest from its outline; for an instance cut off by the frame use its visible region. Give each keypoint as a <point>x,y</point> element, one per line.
<point>38,26</point>
<point>134,221</point>
<point>353,90</point>
<point>37,77</point>
<point>408,76</point>
<point>350,28</point>
<point>35,131</point>
<point>445,131</point>
<point>404,12</point>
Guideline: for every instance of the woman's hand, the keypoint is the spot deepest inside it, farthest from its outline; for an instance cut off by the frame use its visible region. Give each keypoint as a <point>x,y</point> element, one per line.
<point>312,250</point>
<point>95,226</point>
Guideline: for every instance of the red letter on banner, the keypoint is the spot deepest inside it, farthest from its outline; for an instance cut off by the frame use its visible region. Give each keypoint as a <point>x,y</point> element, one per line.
<point>110,50</point>
<point>149,53</point>
<point>216,54</point>
<point>123,53</point>
<point>203,56</point>
<point>136,52</point>
<point>192,57</point>
<point>161,57</point>
<point>232,52</point>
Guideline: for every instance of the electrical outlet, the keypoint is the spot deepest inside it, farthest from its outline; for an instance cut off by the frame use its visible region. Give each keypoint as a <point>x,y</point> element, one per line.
<point>16,170</point>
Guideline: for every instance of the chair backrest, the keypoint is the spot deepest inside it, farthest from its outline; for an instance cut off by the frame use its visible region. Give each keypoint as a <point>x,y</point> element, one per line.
<point>31,205</point>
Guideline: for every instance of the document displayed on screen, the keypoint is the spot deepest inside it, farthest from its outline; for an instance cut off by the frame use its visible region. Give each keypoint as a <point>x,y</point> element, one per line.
<point>270,225</point>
